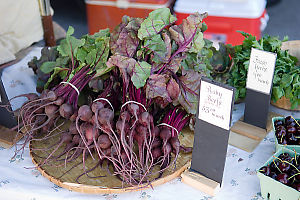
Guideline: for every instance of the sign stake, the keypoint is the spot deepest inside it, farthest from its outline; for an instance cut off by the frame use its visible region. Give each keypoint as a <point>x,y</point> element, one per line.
<point>256,118</point>
<point>211,136</point>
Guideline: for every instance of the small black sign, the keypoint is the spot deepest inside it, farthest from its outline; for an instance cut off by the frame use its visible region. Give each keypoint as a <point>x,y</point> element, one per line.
<point>212,129</point>
<point>6,116</point>
<point>259,85</point>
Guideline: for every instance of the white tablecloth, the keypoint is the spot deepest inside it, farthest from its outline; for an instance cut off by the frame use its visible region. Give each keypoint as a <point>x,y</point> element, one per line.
<point>18,182</point>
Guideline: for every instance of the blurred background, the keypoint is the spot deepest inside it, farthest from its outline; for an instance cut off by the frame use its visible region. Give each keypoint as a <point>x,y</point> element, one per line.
<point>283,18</point>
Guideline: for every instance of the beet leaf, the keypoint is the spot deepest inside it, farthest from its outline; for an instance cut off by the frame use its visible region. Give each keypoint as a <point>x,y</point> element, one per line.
<point>157,46</point>
<point>157,87</point>
<point>137,71</point>
<point>124,40</point>
<point>140,74</point>
<point>163,88</point>
<point>155,23</point>
<point>188,35</point>
<point>70,44</point>
<point>189,91</point>
<point>125,65</point>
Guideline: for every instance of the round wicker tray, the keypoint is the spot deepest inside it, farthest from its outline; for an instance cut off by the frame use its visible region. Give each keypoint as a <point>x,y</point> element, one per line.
<point>284,103</point>
<point>103,185</point>
<point>293,48</point>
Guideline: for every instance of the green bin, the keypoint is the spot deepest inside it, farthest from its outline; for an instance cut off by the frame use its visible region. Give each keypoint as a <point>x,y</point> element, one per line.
<point>274,190</point>
<point>280,146</point>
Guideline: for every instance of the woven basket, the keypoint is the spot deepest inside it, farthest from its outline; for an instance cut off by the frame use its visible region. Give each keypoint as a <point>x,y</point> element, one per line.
<point>293,48</point>
<point>102,185</point>
<point>284,103</point>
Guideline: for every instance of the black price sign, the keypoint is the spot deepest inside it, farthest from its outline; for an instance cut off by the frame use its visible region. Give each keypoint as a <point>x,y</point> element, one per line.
<point>259,84</point>
<point>212,129</point>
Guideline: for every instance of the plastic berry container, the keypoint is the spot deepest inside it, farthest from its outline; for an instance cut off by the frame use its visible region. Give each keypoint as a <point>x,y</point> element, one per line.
<point>272,189</point>
<point>280,146</point>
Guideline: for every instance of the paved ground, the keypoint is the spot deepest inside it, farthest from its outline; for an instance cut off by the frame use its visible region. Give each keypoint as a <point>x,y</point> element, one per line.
<point>71,12</point>
<point>284,17</point>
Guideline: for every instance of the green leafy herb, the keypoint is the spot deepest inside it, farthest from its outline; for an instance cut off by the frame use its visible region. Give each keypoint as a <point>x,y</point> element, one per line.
<point>285,81</point>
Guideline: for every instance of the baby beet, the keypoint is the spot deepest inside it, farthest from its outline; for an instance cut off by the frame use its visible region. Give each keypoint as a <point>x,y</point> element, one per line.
<point>165,135</point>
<point>156,143</point>
<point>51,95</point>
<point>50,110</point>
<point>97,106</point>
<point>66,110</point>
<point>103,141</point>
<point>156,153</point>
<point>85,113</point>
<point>105,116</point>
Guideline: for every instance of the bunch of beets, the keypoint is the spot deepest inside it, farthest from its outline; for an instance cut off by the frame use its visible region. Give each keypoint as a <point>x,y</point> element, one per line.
<point>120,97</point>
<point>285,169</point>
<point>287,131</point>
<point>129,142</point>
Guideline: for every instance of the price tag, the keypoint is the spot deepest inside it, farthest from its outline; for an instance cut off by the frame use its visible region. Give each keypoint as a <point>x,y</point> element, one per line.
<point>261,70</point>
<point>215,104</point>
<point>212,129</point>
<point>7,118</point>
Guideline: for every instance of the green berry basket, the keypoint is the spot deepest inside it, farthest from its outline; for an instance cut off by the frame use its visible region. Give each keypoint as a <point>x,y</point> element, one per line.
<point>274,190</point>
<point>280,146</point>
